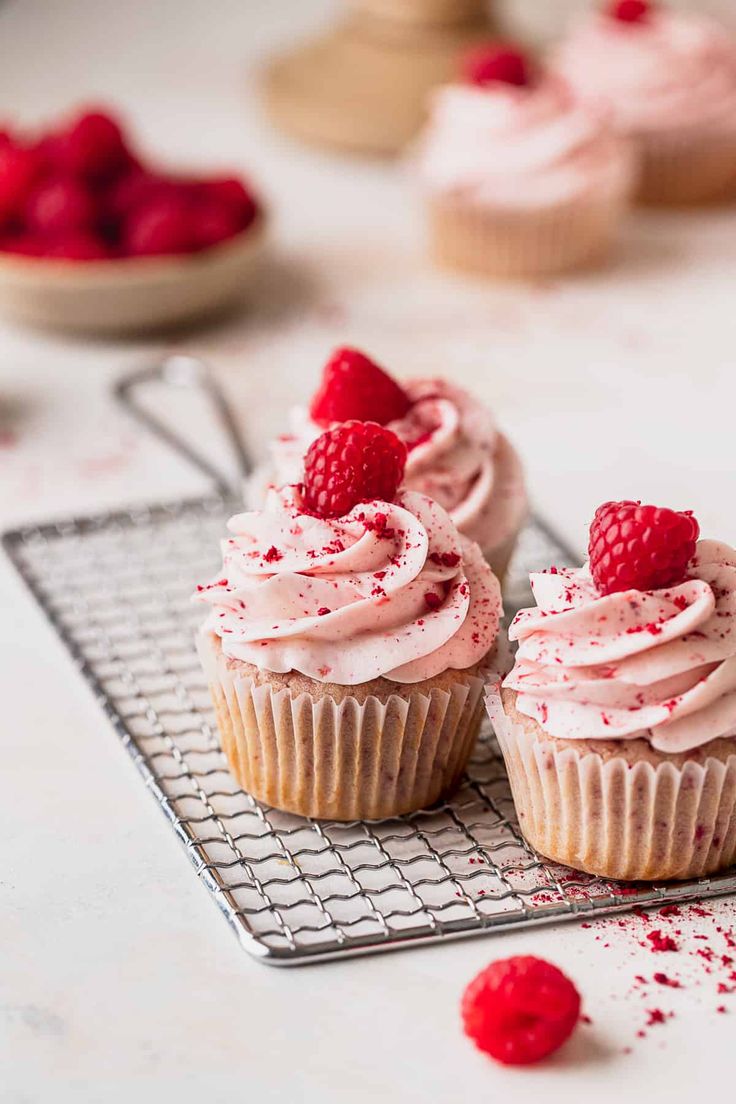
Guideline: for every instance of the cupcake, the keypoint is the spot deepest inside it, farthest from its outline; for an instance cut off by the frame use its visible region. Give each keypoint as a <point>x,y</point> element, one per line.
<point>521,178</point>
<point>347,636</point>
<point>669,79</point>
<point>455,453</point>
<point>618,720</point>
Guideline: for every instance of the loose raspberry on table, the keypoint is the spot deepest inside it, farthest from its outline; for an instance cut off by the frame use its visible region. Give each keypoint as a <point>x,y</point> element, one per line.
<point>640,547</point>
<point>630,11</point>
<point>351,463</point>
<point>354,387</point>
<point>519,1010</point>
<point>495,63</point>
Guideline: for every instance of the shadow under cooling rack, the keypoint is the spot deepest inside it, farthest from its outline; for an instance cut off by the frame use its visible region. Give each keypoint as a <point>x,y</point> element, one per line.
<point>116,587</point>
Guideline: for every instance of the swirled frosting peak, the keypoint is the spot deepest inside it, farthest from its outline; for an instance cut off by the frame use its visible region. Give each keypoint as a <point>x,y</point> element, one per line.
<point>655,664</point>
<point>390,589</point>
<point>456,455</point>
<point>670,72</point>
<point>534,147</point>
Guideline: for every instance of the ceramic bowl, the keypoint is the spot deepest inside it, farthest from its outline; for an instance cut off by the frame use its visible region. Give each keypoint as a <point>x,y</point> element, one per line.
<point>131,294</point>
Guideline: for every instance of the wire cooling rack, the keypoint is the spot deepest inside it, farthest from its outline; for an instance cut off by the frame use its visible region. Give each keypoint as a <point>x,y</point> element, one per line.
<point>117,587</point>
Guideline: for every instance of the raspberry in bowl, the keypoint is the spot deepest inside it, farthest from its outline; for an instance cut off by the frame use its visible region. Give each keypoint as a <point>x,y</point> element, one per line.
<point>520,177</point>
<point>617,722</point>
<point>455,453</point>
<point>668,79</point>
<point>347,637</point>
<point>92,237</point>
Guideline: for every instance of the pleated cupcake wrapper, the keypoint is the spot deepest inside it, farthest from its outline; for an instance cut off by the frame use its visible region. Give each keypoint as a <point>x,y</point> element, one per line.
<point>342,760</point>
<point>686,169</point>
<point>519,244</point>
<point>612,818</point>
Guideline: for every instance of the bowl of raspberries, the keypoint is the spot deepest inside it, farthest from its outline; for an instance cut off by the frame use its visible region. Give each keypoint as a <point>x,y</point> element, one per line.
<point>94,237</point>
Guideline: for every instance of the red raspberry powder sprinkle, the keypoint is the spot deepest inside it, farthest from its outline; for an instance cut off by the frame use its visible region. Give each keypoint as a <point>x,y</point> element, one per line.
<point>661,942</point>
<point>273,555</point>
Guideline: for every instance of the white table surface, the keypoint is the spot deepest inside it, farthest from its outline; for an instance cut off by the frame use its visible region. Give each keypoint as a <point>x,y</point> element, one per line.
<point>118,979</point>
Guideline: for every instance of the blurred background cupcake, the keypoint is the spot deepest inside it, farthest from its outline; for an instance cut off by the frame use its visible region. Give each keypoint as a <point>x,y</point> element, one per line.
<point>521,177</point>
<point>669,79</point>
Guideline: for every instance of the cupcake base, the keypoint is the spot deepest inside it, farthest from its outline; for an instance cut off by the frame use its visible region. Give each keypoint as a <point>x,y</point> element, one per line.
<point>618,808</point>
<point>321,750</point>
<point>679,172</point>
<point>520,244</point>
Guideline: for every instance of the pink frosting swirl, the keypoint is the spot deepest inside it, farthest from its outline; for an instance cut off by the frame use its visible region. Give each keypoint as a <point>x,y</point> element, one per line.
<point>391,590</point>
<point>535,146</point>
<point>456,456</point>
<point>655,664</point>
<point>671,72</point>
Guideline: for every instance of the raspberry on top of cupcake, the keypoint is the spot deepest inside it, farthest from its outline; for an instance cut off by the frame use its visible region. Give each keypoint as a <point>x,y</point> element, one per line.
<point>641,642</point>
<point>511,135</point>
<point>658,70</point>
<point>346,578</point>
<point>455,454</point>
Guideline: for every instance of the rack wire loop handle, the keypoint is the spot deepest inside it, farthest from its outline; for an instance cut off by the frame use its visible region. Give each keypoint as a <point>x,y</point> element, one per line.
<point>184,371</point>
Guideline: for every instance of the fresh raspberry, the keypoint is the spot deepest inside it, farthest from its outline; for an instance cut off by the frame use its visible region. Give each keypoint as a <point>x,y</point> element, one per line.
<point>131,190</point>
<point>78,245</point>
<point>354,462</point>
<point>232,194</point>
<point>19,170</point>
<point>25,245</point>
<point>519,1010</point>
<point>496,63</point>
<point>59,206</point>
<point>93,147</point>
<point>353,386</point>
<point>640,547</point>
<point>162,225</point>
<point>630,11</point>
<point>213,223</point>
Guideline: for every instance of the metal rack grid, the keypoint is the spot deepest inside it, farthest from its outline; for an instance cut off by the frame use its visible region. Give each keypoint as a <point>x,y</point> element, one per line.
<point>116,587</point>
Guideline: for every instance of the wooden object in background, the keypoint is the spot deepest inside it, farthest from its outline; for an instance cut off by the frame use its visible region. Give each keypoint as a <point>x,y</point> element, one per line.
<point>363,86</point>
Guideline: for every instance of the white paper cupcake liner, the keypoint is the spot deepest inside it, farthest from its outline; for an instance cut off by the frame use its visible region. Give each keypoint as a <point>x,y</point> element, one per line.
<point>614,817</point>
<point>346,759</point>
<point>686,169</point>
<point>518,243</point>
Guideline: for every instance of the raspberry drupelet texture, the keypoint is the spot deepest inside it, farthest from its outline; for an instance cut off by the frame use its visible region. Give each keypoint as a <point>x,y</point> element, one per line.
<point>495,63</point>
<point>635,547</point>
<point>354,387</point>
<point>520,1010</point>
<point>351,463</point>
<point>630,11</point>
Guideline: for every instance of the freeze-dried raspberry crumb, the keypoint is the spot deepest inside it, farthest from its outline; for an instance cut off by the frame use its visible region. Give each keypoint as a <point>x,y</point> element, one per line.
<point>660,941</point>
<point>519,1010</point>
<point>273,555</point>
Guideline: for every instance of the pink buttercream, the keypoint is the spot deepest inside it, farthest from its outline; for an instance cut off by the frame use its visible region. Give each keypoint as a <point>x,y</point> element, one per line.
<point>655,664</point>
<point>671,72</point>
<point>456,456</point>
<point>531,147</point>
<point>390,589</point>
